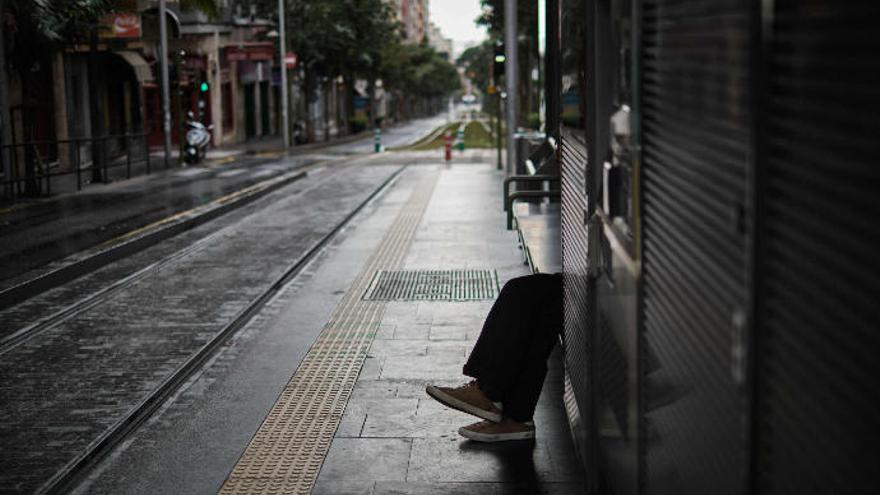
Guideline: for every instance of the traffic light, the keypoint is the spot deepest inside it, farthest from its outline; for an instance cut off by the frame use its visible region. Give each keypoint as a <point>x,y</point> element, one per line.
<point>498,62</point>
<point>204,87</point>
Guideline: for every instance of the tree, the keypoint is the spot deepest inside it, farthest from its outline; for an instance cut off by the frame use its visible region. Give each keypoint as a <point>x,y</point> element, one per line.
<point>360,39</point>
<point>372,27</point>
<point>527,28</point>
<point>418,70</point>
<point>337,37</point>
<point>477,64</point>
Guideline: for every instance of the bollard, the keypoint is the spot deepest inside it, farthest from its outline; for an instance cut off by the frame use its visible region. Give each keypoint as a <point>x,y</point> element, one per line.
<point>447,145</point>
<point>461,138</point>
<point>377,139</point>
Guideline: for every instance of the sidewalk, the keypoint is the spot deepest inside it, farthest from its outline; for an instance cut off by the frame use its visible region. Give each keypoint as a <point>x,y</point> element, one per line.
<point>395,439</point>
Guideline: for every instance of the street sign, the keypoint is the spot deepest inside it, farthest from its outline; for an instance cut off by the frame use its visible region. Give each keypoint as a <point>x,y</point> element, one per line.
<point>290,60</point>
<point>120,25</point>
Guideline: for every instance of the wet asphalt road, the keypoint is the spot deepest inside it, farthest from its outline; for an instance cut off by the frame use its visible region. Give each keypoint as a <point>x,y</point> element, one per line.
<point>72,382</point>
<point>129,326</point>
<point>48,230</point>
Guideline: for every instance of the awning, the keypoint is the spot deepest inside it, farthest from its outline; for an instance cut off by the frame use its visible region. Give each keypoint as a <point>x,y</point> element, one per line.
<point>136,61</point>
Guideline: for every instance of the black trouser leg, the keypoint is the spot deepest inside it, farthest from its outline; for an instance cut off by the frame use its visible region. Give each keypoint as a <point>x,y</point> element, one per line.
<point>509,359</point>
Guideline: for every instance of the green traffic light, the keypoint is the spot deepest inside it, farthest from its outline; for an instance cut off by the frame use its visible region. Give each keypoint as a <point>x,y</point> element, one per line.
<point>203,87</point>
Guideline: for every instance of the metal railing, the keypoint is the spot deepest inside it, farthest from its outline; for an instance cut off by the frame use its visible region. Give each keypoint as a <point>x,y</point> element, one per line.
<point>36,168</point>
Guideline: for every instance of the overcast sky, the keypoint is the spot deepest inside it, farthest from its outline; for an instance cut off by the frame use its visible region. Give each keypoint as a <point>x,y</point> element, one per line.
<point>456,20</point>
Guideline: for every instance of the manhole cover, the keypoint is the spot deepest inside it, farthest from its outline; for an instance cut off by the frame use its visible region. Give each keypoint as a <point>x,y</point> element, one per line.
<point>432,285</point>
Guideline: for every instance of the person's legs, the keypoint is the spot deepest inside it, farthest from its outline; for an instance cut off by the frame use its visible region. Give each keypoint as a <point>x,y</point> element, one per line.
<point>509,359</point>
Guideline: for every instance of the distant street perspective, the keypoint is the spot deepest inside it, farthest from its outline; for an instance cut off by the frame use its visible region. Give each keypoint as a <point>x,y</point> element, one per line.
<point>424,247</point>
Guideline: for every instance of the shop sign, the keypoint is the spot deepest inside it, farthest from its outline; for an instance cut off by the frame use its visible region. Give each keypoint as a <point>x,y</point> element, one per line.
<point>240,53</point>
<point>290,60</point>
<point>121,25</point>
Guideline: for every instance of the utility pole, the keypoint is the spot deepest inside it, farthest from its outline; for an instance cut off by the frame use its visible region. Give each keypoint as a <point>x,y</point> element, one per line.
<point>285,118</point>
<point>498,125</point>
<point>511,69</point>
<point>552,81</point>
<point>5,165</point>
<point>163,63</point>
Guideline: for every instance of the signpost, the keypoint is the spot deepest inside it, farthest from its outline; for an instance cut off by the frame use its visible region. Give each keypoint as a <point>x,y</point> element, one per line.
<point>121,25</point>
<point>290,60</point>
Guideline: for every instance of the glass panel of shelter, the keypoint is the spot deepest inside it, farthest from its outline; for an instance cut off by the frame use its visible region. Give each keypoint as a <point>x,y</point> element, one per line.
<point>617,196</point>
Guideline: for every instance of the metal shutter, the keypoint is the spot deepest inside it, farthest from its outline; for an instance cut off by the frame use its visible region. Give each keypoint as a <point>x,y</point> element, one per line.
<point>695,151</point>
<point>574,263</point>
<point>817,424</point>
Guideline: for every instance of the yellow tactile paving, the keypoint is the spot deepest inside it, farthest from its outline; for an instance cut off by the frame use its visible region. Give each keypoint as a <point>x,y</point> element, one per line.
<point>287,451</point>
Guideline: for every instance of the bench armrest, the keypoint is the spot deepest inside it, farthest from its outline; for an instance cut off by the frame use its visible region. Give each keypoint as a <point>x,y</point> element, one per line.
<point>526,195</point>
<point>524,178</point>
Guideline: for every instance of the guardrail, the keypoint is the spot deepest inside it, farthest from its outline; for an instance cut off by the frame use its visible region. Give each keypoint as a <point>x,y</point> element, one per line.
<point>32,165</point>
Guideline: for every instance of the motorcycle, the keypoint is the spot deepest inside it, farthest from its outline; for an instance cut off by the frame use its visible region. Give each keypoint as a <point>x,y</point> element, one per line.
<point>198,136</point>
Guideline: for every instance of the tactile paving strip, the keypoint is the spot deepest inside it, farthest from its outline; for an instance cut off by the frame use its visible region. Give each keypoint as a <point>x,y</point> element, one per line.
<point>286,453</point>
<point>433,285</point>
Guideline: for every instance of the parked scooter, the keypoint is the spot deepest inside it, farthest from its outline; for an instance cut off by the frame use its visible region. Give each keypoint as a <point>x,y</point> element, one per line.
<point>197,139</point>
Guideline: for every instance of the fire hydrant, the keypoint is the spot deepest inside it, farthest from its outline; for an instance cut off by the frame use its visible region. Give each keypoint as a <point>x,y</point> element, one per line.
<point>447,145</point>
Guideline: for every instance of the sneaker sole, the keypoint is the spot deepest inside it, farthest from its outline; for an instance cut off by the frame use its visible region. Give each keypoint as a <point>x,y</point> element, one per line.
<point>462,406</point>
<point>495,437</point>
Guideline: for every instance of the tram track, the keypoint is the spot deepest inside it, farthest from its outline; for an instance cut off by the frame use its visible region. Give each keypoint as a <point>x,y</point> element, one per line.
<point>139,239</point>
<point>157,232</point>
<point>78,467</point>
<point>9,342</point>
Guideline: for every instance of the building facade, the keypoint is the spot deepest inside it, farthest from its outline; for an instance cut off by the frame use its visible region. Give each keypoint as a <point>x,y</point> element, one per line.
<point>413,14</point>
<point>223,70</point>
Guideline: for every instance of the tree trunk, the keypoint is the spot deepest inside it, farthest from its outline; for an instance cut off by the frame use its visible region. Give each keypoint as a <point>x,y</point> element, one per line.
<point>348,81</point>
<point>31,184</point>
<point>327,91</point>
<point>309,90</point>
<point>371,109</point>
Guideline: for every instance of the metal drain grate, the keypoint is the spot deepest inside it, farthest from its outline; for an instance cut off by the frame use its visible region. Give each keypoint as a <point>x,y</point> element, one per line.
<point>433,285</point>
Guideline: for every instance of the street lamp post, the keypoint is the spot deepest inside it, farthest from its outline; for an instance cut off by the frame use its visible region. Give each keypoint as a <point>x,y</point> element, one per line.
<point>510,77</point>
<point>163,62</point>
<point>285,118</point>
